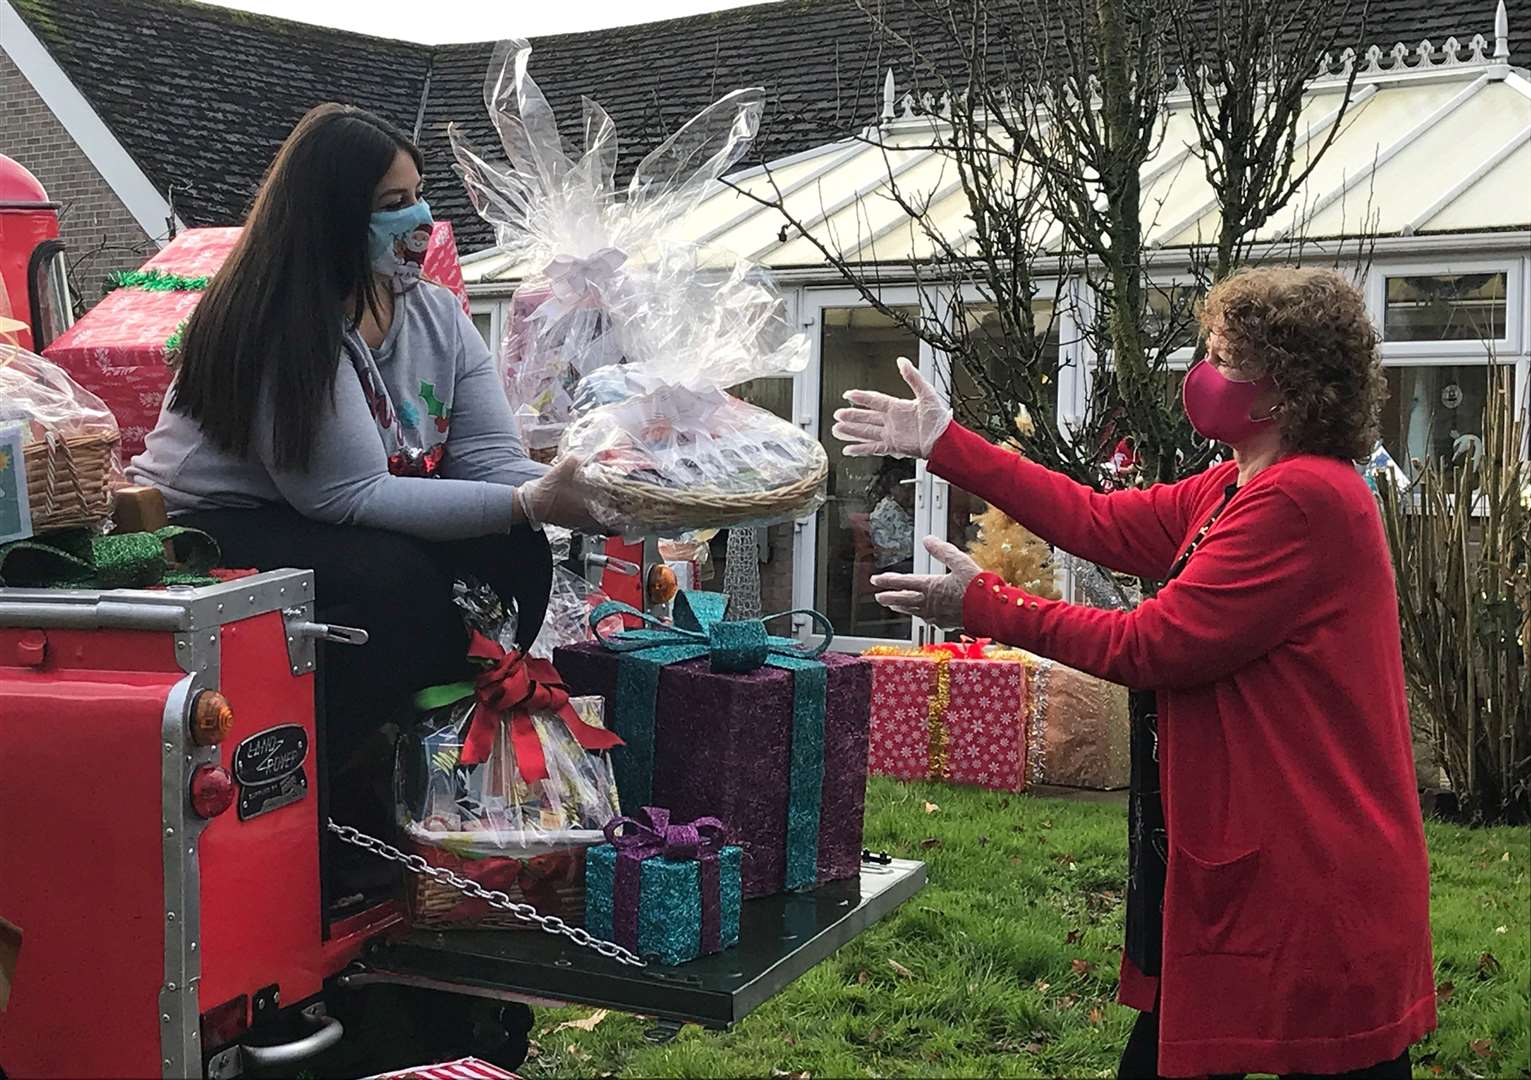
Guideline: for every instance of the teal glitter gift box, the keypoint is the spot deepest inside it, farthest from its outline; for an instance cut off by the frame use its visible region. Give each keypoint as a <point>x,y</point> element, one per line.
<point>663,890</point>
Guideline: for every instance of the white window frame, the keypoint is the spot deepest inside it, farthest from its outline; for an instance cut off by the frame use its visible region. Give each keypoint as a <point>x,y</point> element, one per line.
<point>1450,352</point>
<point>810,303</point>
<point>495,309</point>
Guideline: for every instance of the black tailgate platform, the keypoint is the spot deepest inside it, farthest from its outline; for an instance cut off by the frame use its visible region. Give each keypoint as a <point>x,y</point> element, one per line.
<point>780,938</point>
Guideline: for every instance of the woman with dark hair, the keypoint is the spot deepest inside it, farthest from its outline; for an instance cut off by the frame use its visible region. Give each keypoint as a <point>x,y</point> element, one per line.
<point>333,411</point>
<point>1278,892</point>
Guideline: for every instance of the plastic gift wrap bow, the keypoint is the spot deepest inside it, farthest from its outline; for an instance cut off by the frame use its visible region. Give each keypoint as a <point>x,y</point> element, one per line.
<point>700,629</point>
<point>652,835</point>
<point>579,282</point>
<point>512,689</point>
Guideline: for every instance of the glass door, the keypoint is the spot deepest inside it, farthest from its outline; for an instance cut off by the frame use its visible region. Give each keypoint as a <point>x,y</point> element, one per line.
<point>952,510</point>
<point>877,510</point>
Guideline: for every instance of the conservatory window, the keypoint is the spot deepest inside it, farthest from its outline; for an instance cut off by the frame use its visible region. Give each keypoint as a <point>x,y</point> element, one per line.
<point>1446,307</point>
<point>1171,319</point>
<point>985,327</point>
<point>1433,412</point>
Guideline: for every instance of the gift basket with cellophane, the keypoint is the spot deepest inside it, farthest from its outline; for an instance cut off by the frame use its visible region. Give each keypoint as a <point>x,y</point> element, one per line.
<point>68,442</point>
<point>625,338</point>
<point>505,779</point>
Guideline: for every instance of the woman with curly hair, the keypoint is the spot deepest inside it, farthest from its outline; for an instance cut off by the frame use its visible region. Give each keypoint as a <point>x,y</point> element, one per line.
<point>1278,899</point>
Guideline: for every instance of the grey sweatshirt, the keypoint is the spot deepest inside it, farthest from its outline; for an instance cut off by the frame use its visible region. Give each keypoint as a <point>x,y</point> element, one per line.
<point>444,388</point>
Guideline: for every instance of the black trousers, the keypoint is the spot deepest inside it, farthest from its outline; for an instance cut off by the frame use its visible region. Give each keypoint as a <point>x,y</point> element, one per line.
<point>398,589</point>
<point>1140,1058</point>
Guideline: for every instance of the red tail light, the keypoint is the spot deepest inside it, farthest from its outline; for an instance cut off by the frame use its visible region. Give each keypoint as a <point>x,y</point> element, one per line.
<point>223,1024</point>
<point>212,790</point>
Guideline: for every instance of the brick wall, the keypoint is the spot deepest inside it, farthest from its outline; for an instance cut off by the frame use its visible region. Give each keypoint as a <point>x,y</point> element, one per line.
<point>102,235</point>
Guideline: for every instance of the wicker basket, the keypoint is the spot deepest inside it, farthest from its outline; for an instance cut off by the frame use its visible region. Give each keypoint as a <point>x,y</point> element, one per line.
<point>662,509</point>
<point>69,479</point>
<point>552,882</point>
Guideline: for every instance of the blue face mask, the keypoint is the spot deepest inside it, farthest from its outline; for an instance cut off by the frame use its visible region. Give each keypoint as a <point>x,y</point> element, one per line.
<point>397,241</point>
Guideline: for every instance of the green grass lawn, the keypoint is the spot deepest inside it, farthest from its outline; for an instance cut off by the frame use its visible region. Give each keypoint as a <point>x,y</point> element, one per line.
<point>1005,964</point>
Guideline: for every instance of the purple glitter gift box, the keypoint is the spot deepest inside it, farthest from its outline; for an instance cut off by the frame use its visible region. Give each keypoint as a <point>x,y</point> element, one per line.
<point>722,748</point>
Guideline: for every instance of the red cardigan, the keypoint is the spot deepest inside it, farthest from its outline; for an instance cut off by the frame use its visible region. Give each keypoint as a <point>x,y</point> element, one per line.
<point>1296,908</point>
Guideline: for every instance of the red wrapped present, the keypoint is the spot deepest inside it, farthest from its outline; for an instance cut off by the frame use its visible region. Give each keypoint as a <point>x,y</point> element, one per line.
<point>949,713</point>
<point>118,349</point>
<point>468,1068</point>
<point>997,718</point>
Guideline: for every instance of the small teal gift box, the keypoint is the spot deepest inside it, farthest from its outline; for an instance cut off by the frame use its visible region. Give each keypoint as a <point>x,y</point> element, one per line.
<point>664,890</point>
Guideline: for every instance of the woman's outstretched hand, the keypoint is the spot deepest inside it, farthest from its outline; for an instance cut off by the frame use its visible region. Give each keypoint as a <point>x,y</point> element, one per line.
<point>885,426</point>
<point>558,498</point>
<point>936,598</point>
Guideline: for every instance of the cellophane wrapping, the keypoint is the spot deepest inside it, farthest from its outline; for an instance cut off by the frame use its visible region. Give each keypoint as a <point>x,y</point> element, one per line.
<point>61,419</point>
<point>624,339</point>
<point>490,808</point>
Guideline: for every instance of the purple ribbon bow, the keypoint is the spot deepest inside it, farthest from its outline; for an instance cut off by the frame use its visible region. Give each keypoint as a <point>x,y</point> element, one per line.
<point>650,835</point>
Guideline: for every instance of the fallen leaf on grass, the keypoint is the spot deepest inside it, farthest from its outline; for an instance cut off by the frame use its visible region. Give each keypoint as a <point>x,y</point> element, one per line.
<point>1068,1001</point>
<point>1488,964</point>
<point>1443,991</point>
<point>586,1024</point>
<point>1501,929</point>
<point>900,969</point>
<point>930,842</point>
<point>861,978</point>
<point>1096,1016</point>
<point>1015,860</point>
<point>1505,857</point>
<point>1041,987</point>
<point>932,808</point>
<point>1073,937</point>
<point>784,1075</point>
<point>577,1054</point>
<point>1047,824</point>
<point>1482,1047</point>
<point>1033,1048</point>
<point>1082,967</point>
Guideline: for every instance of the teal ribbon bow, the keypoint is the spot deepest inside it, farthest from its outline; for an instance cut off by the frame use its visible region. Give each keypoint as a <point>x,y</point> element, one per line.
<point>701,628</point>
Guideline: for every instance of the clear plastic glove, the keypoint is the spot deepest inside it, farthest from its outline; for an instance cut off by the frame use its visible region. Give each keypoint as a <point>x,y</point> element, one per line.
<point>558,498</point>
<point>884,426</point>
<point>936,598</point>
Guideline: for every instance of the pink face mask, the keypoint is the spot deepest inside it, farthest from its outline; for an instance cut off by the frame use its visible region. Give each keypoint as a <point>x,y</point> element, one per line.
<point>1218,407</point>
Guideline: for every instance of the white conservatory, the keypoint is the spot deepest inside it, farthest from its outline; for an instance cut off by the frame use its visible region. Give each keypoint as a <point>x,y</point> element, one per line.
<point>1425,194</point>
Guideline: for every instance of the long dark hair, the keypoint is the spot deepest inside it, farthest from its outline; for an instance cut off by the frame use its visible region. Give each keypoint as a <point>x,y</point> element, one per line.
<point>275,313</point>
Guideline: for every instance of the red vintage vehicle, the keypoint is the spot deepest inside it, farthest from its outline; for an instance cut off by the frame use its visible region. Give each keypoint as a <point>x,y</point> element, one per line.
<point>161,821</point>
<point>32,267</point>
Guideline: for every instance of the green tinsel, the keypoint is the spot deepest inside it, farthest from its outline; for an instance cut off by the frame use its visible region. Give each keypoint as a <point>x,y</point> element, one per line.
<point>173,342</point>
<point>156,281</point>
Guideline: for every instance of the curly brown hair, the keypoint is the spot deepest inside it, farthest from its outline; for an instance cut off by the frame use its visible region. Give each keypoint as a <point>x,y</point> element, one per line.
<point>1310,331</point>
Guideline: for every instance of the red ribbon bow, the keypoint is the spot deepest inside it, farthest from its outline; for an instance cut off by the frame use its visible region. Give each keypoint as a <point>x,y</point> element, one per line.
<point>511,692</point>
<point>966,649</point>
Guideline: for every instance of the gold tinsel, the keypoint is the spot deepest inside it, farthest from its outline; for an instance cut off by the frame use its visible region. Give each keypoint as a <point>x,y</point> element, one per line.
<point>1019,558</point>
<point>939,751</point>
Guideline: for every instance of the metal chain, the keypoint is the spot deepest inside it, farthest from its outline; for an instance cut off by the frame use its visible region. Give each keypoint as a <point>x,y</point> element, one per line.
<point>552,924</point>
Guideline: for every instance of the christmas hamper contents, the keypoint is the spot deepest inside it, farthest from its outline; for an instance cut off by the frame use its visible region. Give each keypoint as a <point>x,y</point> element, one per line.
<point>58,448</point>
<point>624,340</point>
<point>721,719</point>
<point>505,779</point>
<point>972,713</point>
<point>664,889</point>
